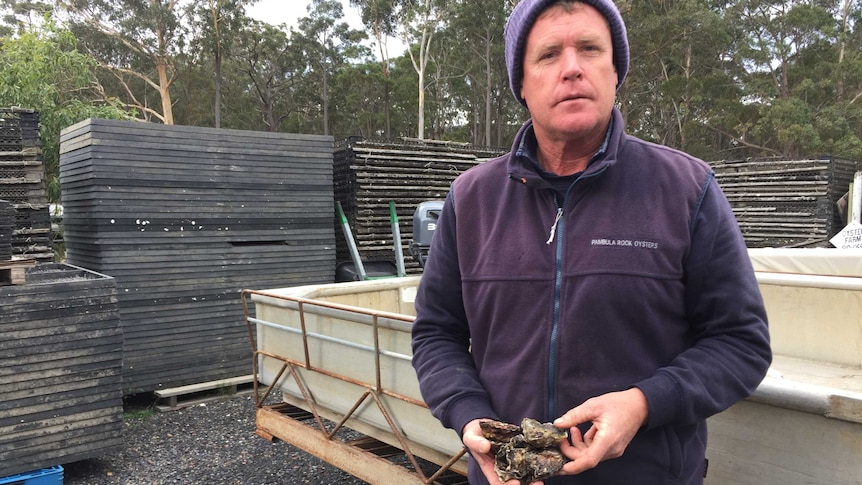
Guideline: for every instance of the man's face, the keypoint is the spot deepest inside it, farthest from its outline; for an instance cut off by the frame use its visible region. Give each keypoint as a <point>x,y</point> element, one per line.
<point>569,75</point>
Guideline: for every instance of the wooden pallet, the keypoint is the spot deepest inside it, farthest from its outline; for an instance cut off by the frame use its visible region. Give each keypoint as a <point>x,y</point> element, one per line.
<point>367,458</point>
<point>14,272</point>
<point>181,397</point>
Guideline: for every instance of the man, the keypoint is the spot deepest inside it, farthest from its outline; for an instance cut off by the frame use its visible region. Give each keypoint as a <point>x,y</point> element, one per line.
<point>587,278</point>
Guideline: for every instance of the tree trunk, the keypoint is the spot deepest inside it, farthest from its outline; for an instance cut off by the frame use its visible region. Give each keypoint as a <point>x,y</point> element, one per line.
<point>325,96</point>
<point>489,89</point>
<point>421,114</point>
<point>216,18</point>
<point>165,91</point>
<point>839,88</point>
<point>384,63</point>
<point>218,76</point>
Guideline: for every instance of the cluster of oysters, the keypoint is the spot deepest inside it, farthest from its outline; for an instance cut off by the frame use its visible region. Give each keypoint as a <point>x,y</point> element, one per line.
<point>528,453</point>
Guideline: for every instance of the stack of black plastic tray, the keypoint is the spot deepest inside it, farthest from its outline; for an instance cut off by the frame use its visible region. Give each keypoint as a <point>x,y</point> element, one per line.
<point>782,202</point>
<point>22,183</point>
<point>185,218</point>
<point>60,368</point>
<point>369,174</point>
<point>7,225</point>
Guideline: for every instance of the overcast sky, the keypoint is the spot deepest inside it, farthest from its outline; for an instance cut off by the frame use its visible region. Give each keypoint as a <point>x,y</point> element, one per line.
<point>289,11</point>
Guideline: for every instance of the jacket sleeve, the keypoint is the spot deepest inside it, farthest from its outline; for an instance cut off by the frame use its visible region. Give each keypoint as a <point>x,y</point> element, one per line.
<point>731,351</point>
<point>448,378</point>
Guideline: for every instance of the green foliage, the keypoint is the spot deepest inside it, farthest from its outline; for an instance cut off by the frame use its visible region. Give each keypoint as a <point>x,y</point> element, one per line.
<point>720,79</point>
<point>42,70</point>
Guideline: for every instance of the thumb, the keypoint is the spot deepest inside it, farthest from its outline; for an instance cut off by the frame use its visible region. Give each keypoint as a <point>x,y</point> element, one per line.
<point>477,444</point>
<point>473,438</point>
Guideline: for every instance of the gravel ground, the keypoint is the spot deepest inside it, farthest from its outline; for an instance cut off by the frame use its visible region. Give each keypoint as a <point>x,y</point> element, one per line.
<point>213,443</point>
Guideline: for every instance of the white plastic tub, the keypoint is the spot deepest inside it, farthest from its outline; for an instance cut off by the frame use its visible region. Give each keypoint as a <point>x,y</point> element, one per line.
<point>803,425</point>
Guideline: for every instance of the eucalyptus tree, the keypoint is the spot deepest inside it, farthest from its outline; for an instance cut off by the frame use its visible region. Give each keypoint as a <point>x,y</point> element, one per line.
<point>850,46</point>
<point>849,82</point>
<point>380,17</point>
<point>359,101</point>
<point>273,66</point>
<point>683,87</point>
<point>18,17</point>
<point>474,35</point>
<point>835,92</point>
<point>327,45</point>
<point>422,21</point>
<point>216,23</point>
<point>134,40</point>
<point>779,35</point>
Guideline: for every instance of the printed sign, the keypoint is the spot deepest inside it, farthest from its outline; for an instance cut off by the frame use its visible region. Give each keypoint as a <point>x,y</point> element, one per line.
<point>849,238</point>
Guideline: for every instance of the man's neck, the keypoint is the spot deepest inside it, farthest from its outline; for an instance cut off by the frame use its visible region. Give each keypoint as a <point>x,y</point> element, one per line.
<point>567,157</point>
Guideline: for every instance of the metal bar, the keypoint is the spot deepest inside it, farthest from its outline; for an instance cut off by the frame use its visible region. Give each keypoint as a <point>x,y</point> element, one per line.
<point>379,380</point>
<point>349,413</point>
<point>447,466</point>
<point>396,240</point>
<point>304,334</point>
<point>398,435</point>
<point>243,298</point>
<point>327,338</point>
<point>259,400</point>
<point>351,243</point>
<point>307,399</point>
<point>356,382</point>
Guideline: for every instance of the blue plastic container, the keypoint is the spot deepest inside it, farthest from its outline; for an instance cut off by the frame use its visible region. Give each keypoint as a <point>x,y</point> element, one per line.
<point>46,476</point>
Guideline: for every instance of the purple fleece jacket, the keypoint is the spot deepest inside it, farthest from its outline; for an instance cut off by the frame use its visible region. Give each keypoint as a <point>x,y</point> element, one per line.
<point>646,283</point>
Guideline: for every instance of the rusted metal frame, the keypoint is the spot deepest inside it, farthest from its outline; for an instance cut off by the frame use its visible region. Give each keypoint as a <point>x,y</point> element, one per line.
<point>376,336</point>
<point>304,335</point>
<point>369,391</point>
<point>446,467</point>
<point>307,399</point>
<point>344,378</point>
<point>290,363</point>
<point>398,435</point>
<point>259,400</point>
<point>253,341</point>
<point>349,414</point>
<point>373,391</point>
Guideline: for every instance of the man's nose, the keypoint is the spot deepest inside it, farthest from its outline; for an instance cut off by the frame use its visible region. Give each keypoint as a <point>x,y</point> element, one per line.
<point>571,66</point>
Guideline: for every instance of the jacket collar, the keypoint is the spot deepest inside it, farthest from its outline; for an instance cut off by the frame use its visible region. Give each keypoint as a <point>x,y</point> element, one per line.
<point>524,166</point>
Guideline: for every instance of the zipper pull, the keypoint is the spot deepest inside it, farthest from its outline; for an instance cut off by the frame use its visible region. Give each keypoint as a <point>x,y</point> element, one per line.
<point>554,226</point>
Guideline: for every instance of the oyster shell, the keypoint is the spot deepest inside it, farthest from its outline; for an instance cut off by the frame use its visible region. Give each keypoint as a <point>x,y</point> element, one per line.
<point>527,453</point>
<point>541,435</point>
<point>528,465</point>
<point>499,433</point>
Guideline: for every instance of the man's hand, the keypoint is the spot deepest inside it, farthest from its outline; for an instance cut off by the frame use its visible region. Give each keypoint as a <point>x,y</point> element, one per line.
<point>480,449</point>
<point>616,418</point>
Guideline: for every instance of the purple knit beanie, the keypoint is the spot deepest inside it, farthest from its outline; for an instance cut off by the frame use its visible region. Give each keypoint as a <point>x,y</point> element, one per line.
<point>524,16</point>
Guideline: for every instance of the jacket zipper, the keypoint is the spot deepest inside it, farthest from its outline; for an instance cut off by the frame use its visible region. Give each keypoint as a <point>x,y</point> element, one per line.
<point>557,231</point>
